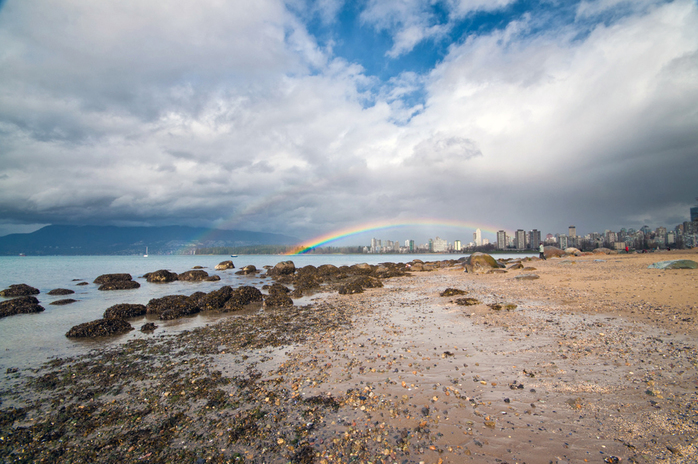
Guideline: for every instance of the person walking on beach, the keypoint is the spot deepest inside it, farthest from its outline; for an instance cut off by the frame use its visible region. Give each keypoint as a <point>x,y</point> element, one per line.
<point>541,251</point>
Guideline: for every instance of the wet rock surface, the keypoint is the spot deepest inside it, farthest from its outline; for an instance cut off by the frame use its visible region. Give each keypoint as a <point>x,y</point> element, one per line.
<point>99,328</point>
<point>110,278</point>
<point>63,302</point>
<point>61,291</point>
<point>124,311</point>
<point>194,275</point>
<point>161,276</point>
<point>19,290</point>
<point>225,265</point>
<point>20,305</point>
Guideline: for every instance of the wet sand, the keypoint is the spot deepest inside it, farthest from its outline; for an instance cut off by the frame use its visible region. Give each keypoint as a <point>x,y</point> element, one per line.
<point>596,362</point>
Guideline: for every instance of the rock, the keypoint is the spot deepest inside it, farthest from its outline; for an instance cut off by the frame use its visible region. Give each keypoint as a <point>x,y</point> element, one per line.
<point>277,300</point>
<point>553,252</point>
<point>249,269</point>
<point>19,290</point>
<point>282,268</point>
<point>224,265</point>
<point>79,284</point>
<point>242,296</point>
<point>528,268</point>
<point>674,264</point>
<point>515,267</point>
<point>328,270</point>
<point>467,301</point>
<point>362,268</point>
<point>527,277</point>
<point>99,328</point>
<point>119,285</point>
<point>196,275</point>
<point>198,267</point>
<point>61,291</point>
<point>573,251</point>
<point>125,311</point>
<point>63,302</point>
<point>453,292</point>
<point>161,276</point>
<point>109,278</point>
<point>21,305</point>
<point>603,251</point>
<point>480,263</point>
<point>351,288</point>
<point>359,284</point>
<point>213,278</point>
<point>496,271</point>
<point>148,327</point>
<point>179,303</point>
<point>216,299</point>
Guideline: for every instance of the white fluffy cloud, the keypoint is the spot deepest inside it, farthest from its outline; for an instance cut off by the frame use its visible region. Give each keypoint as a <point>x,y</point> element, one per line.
<point>131,112</point>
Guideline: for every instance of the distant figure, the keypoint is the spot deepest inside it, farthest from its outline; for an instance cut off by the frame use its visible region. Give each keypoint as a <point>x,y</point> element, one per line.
<point>541,251</point>
<point>627,249</point>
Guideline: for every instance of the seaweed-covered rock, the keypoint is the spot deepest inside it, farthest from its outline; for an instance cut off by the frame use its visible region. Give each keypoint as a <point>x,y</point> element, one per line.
<point>277,300</point>
<point>148,327</point>
<point>109,278</point>
<point>19,290</point>
<point>480,263</point>
<point>160,305</point>
<point>195,275</point>
<point>215,299</point>
<point>99,328</point>
<point>467,301</point>
<point>282,268</point>
<point>63,302</point>
<point>351,288</point>
<point>453,292</point>
<point>161,276</point>
<point>387,270</point>
<point>21,305</point>
<point>359,284</point>
<point>61,291</point>
<point>124,311</point>
<point>361,269</point>
<point>224,265</point>
<point>249,269</point>
<point>277,288</point>
<point>119,285</point>
<point>213,278</point>
<point>242,296</point>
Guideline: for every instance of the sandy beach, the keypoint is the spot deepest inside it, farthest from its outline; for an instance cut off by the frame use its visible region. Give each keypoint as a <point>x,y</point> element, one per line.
<point>595,363</point>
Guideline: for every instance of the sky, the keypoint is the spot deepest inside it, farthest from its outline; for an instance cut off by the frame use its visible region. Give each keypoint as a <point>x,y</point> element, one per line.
<point>305,117</point>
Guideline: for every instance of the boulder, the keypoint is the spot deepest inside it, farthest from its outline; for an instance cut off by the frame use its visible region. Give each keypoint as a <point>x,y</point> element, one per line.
<point>216,299</point>
<point>109,278</point>
<point>328,270</point>
<point>148,327</point>
<point>359,284</point>
<point>573,251</point>
<point>603,251</point>
<point>224,265</point>
<point>63,302</point>
<point>196,275</point>
<point>282,268</point>
<point>165,303</point>
<point>99,328</point>
<point>19,290</point>
<point>553,252</point>
<point>515,266</point>
<point>480,263</point>
<point>21,305</point>
<point>124,311</point>
<point>362,268</point>
<point>119,285</point>
<point>277,300</point>
<point>249,269</point>
<point>61,291</point>
<point>242,296</point>
<point>213,278</point>
<point>674,264</point>
<point>161,276</point>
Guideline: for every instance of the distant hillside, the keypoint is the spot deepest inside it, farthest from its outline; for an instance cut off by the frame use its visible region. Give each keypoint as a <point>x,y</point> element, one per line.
<point>108,240</point>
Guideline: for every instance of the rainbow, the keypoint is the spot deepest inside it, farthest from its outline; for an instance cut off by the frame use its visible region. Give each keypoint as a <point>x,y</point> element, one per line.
<point>331,237</point>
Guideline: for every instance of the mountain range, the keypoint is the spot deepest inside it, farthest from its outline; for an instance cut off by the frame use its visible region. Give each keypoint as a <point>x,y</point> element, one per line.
<point>112,240</point>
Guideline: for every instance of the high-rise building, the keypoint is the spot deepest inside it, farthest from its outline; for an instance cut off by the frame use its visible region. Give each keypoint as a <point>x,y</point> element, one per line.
<point>439,245</point>
<point>501,240</point>
<point>694,213</point>
<point>534,239</point>
<point>477,237</point>
<point>457,245</point>
<point>520,239</point>
<point>572,231</point>
<point>563,241</point>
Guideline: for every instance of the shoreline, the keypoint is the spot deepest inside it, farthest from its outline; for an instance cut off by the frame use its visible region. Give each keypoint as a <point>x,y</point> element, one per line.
<point>592,364</point>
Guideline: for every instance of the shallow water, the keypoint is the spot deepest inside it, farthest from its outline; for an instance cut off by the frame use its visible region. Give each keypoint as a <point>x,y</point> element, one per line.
<point>28,340</point>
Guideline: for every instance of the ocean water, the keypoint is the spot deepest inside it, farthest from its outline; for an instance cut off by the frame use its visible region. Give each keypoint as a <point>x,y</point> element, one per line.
<point>29,340</point>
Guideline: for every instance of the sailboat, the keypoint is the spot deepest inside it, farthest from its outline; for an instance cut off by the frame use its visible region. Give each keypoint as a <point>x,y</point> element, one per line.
<point>146,252</point>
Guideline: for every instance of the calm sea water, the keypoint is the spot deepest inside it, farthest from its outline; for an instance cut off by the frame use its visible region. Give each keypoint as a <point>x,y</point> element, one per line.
<point>28,340</point>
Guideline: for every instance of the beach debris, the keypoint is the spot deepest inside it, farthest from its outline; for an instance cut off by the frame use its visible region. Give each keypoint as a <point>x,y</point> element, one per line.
<point>674,264</point>
<point>19,290</point>
<point>453,292</point>
<point>467,301</point>
<point>161,276</point>
<point>61,291</point>
<point>225,265</point>
<point>124,311</point>
<point>99,328</point>
<point>21,305</point>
